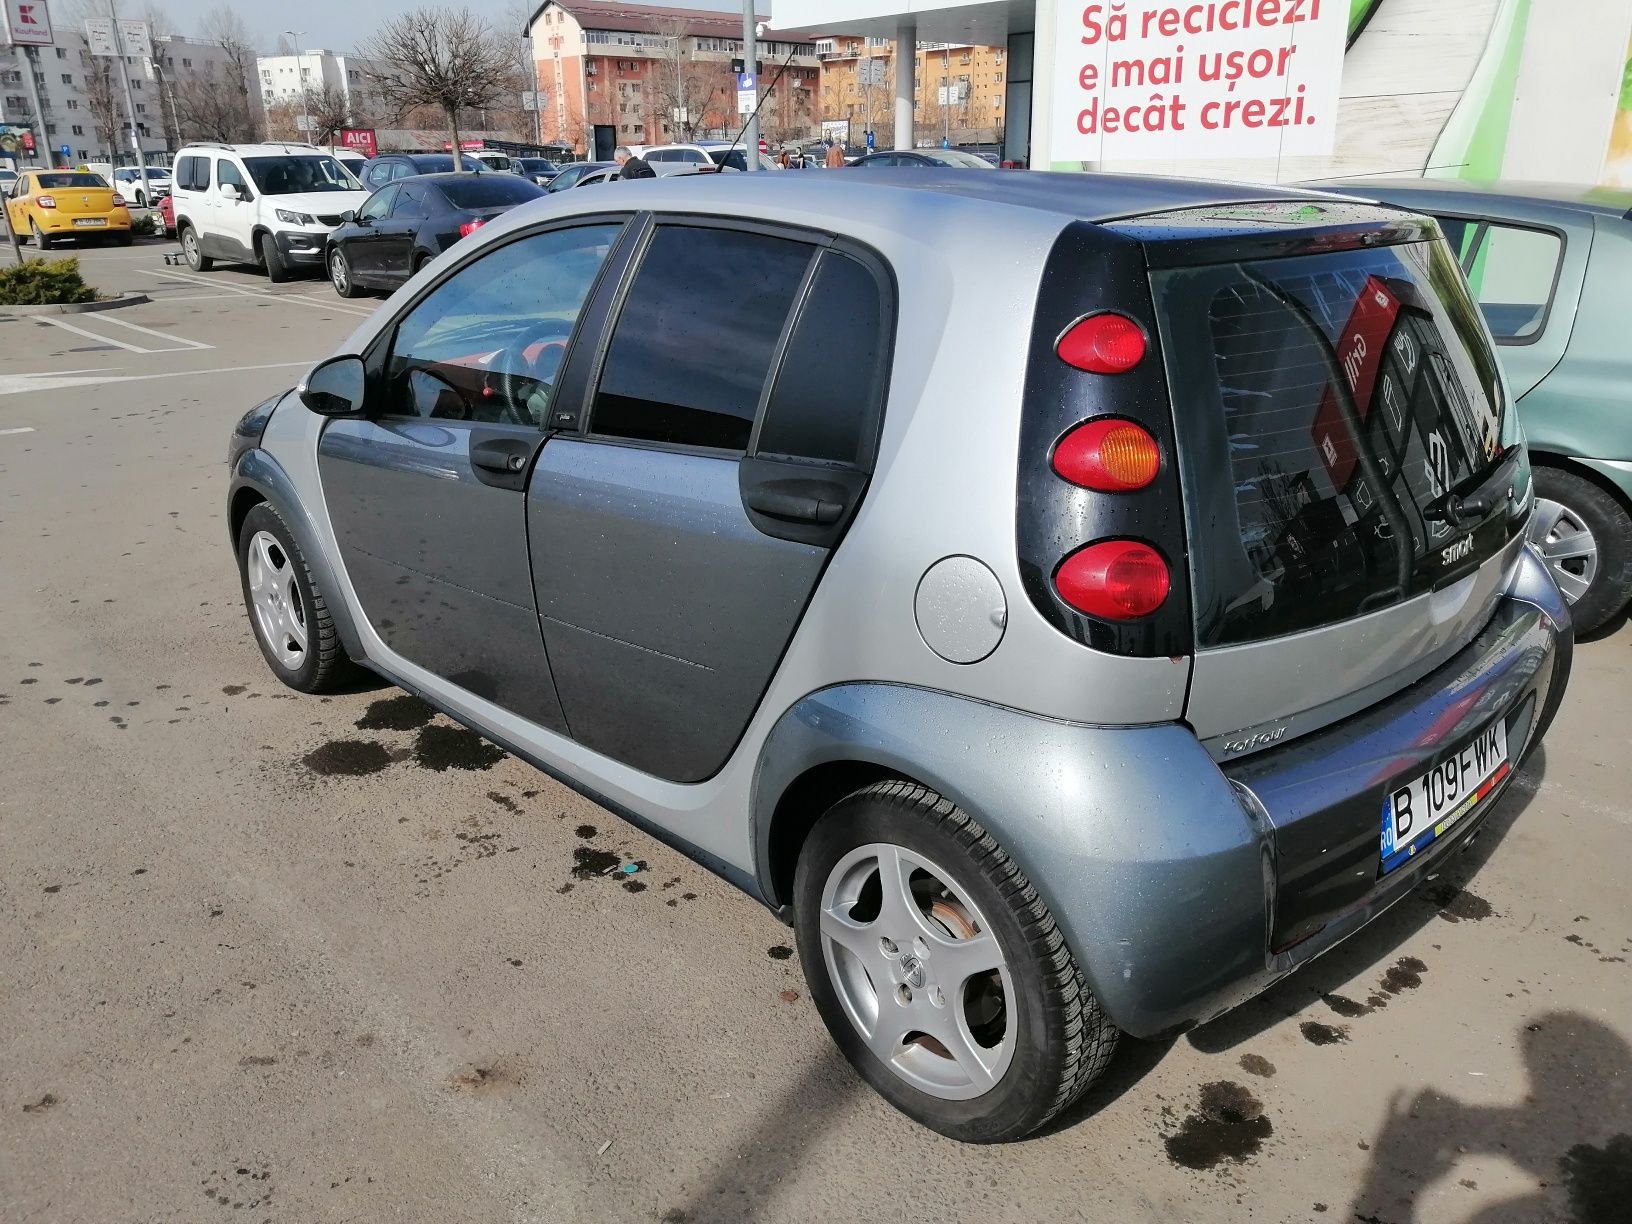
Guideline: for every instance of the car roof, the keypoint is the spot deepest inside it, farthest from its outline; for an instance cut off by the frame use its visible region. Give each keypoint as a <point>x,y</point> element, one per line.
<point>1510,196</point>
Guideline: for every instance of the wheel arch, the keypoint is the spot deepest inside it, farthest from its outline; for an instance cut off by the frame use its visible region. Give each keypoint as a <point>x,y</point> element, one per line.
<point>1567,463</point>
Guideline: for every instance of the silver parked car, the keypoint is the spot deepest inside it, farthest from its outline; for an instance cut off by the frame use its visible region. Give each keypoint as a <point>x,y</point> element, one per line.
<point>1089,687</point>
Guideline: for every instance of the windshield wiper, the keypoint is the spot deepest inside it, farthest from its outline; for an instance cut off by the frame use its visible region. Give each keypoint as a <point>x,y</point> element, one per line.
<point>1494,489</point>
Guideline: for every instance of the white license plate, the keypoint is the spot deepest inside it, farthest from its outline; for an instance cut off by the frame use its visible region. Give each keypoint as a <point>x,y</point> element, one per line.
<point>90,220</point>
<point>1416,814</point>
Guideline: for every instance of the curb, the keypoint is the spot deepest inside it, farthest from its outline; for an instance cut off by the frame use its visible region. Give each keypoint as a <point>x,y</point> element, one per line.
<point>70,308</point>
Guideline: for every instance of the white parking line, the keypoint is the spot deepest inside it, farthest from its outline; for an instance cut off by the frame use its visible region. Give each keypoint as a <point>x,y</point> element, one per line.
<point>293,298</point>
<point>90,335</point>
<point>20,429</point>
<point>20,384</point>
<point>148,331</point>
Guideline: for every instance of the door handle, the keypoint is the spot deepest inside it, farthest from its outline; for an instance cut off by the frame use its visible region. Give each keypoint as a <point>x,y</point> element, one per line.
<point>793,507</point>
<point>502,462</point>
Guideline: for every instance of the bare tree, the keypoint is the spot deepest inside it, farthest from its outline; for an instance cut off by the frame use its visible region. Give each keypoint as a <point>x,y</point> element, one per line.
<point>443,57</point>
<point>685,85</point>
<point>216,105</point>
<point>105,102</point>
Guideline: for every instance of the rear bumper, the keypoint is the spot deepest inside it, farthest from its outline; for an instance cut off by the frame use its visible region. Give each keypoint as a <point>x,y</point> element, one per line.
<point>117,222</point>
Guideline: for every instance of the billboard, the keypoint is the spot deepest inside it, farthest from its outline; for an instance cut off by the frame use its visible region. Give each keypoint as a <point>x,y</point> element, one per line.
<point>28,23</point>
<point>1153,80</point>
<point>360,139</point>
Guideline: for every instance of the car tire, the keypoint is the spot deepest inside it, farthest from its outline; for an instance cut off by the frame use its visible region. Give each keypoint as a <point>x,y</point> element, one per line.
<point>1585,536</point>
<point>40,238</point>
<point>287,611</point>
<point>1029,1036</point>
<point>196,259</point>
<point>123,239</point>
<point>277,268</point>
<point>340,275</point>
<point>141,200</point>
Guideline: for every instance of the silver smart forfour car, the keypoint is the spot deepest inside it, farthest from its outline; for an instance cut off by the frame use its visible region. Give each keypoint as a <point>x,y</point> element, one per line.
<point>1071,636</point>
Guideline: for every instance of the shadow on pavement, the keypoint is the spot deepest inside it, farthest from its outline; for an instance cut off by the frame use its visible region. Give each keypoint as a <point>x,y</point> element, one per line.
<point>1446,897</point>
<point>1571,1135</point>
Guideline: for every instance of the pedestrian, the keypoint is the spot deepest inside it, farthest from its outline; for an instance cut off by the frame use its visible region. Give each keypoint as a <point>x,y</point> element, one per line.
<point>630,166</point>
<point>835,156</point>
<point>783,161</point>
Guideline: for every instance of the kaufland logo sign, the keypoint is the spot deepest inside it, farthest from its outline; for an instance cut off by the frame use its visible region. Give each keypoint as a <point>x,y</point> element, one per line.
<point>28,23</point>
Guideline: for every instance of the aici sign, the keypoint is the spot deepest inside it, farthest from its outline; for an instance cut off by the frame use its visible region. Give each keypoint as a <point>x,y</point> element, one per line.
<point>28,23</point>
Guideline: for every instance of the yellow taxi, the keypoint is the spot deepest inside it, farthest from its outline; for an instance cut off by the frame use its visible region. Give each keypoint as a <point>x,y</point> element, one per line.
<point>49,205</point>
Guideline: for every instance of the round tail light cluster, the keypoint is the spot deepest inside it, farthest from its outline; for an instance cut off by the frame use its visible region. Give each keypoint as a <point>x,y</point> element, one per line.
<point>1117,580</point>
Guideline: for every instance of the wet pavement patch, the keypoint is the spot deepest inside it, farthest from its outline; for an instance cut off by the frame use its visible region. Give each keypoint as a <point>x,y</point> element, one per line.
<point>586,831</point>
<point>1404,974</point>
<point>1257,1064</point>
<point>633,886</point>
<point>1599,1181</point>
<point>41,1105</point>
<point>232,690</point>
<point>1457,904</point>
<point>404,712</point>
<point>779,952</point>
<point>504,801</point>
<point>589,862</point>
<point>1345,1006</point>
<point>1316,1033</point>
<point>347,758</point>
<point>441,748</point>
<point>1228,1125</point>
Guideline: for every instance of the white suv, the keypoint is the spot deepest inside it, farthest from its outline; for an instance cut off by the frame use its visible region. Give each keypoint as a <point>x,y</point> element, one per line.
<point>127,181</point>
<point>269,204</point>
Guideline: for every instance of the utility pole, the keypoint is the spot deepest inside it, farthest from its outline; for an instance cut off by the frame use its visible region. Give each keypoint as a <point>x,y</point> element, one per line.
<point>130,99</point>
<point>42,148</point>
<point>750,63</point>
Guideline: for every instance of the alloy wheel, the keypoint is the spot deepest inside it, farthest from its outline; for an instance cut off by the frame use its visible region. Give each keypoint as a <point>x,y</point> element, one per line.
<point>1567,545</point>
<point>280,616</point>
<point>918,971</point>
<point>338,272</point>
<point>189,247</point>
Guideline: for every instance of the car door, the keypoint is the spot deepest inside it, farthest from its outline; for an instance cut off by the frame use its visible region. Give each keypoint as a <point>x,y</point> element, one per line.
<point>425,488</point>
<point>363,245</point>
<point>234,225</point>
<point>396,232</point>
<point>677,537</point>
<point>1527,279</point>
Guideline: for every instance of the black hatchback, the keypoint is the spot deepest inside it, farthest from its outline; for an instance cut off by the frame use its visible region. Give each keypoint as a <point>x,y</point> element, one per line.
<point>405,225</point>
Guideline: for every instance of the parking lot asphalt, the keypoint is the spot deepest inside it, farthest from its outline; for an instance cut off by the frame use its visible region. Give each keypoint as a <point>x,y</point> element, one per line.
<point>285,958</point>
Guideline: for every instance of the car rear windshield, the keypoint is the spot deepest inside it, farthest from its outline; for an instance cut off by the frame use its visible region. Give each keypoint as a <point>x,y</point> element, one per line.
<point>489,190</point>
<point>66,182</point>
<point>957,158</point>
<point>1323,403</point>
<point>298,175</point>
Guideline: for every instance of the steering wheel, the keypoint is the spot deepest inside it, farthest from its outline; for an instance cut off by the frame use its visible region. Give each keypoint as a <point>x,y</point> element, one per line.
<point>525,383</point>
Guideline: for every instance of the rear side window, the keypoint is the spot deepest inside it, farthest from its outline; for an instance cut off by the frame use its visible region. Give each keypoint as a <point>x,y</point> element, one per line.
<point>411,202</point>
<point>1512,274</point>
<point>693,347</point>
<point>829,392</point>
<point>193,174</point>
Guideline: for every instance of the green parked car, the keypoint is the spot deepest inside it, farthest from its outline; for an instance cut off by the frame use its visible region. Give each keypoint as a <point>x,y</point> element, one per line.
<point>1551,268</point>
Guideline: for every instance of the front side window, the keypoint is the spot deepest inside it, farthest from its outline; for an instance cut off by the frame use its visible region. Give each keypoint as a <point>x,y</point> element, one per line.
<point>694,345</point>
<point>487,343</point>
<point>226,172</point>
<point>379,204</point>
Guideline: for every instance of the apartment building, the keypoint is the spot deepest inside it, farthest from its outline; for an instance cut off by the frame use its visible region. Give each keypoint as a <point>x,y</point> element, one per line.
<point>958,90</point>
<point>613,73</point>
<point>288,80</point>
<point>83,101</point>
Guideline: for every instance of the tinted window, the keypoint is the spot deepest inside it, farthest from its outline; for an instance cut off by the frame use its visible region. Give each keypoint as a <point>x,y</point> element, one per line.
<point>694,344</point>
<point>432,164</point>
<point>1512,275</point>
<point>379,204</point>
<point>1324,404</point>
<point>377,174</point>
<point>298,175</point>
<point>487,343</point>
<point>957,158</point>
<point>193,173</point>
<point>489,190</point>
<point>830,391</point>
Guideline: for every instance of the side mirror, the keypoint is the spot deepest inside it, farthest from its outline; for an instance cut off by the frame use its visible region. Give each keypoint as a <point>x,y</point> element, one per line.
<point>349,215</point>
<point>230,190</point>
<point>335,388</point>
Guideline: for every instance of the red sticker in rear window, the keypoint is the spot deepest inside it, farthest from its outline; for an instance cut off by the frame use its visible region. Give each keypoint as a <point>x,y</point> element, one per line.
<point>1359,352</point>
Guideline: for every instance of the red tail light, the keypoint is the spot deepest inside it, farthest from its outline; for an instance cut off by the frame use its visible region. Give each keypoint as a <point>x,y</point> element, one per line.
<point>1108,455</point>
<point>470,227</point>
<point>1103,344</point>
<point>46,201</point>
<point>1114,580</point>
